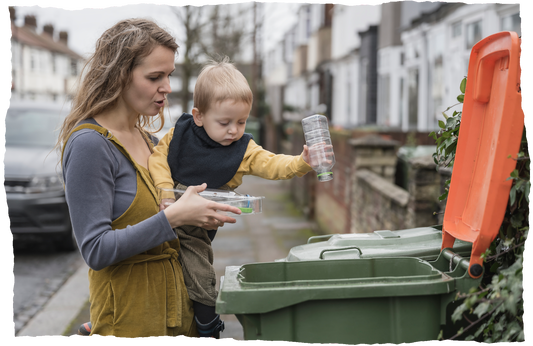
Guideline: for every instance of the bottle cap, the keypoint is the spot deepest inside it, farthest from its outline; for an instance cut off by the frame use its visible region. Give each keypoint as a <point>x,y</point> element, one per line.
<point>326,176</point>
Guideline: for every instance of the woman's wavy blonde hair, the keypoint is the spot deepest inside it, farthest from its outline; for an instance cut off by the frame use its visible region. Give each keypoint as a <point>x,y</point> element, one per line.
<point>108,72</point>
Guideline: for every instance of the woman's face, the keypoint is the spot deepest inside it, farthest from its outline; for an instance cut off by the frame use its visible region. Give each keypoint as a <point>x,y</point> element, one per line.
<point>150,83</point>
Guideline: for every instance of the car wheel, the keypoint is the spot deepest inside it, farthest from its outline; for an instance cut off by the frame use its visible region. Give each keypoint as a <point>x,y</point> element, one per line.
<point>67,242</point>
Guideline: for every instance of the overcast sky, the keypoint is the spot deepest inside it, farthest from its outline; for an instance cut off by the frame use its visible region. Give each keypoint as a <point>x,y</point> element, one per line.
<point>85,24</point>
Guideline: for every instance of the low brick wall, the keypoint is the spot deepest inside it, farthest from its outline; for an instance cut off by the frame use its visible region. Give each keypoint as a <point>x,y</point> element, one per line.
<point>378,204</point>
<point>424,192</point>
<point>333,198</point>
<point>302,190</point>
<point>362,196</point>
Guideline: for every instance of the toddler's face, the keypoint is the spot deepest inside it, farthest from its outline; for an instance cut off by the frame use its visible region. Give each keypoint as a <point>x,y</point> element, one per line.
<point>224,122</point>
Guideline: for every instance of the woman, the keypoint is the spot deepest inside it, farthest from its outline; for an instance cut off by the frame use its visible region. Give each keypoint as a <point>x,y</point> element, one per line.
<point>136,282</point>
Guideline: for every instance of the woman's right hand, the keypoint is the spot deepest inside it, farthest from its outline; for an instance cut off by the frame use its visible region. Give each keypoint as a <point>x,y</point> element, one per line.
<point>192,209</point>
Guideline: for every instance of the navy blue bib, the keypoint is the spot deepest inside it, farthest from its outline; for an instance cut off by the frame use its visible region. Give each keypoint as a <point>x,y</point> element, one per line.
<point>194,158</point>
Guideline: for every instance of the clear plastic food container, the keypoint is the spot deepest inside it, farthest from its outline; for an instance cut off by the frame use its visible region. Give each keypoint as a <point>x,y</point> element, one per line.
<point>246,203</point>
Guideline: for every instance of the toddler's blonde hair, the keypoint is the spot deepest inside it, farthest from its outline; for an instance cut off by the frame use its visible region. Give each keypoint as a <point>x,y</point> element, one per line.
<point>220,81</point>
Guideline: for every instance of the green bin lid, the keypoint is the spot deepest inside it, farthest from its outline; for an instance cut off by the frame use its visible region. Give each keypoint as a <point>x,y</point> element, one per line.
<point>423,242</point>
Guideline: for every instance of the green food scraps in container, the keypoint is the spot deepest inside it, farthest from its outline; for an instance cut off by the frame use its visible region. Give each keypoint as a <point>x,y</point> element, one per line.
<point>247,210</point>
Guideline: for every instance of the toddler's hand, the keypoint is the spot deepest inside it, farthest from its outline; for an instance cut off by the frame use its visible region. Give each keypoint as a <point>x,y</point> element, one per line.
<point>305,154</point>
<point>165,202</point>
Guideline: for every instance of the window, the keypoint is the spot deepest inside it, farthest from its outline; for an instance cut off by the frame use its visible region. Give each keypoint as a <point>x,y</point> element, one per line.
<point>511,23</point>
<point>33,60</point>
<point>456,29</point>
<point>363,91</point>
<point>308,22</point>
<point>437,92</point>
<point>413,98</point>
<point>322,12</point>
<point>329,94</point>
<point>308,96</point>
<point>43,61</point>
<point>383,99</point>
<point>348,94</point>
<point>473,34</point>
<point>436,74</point>
<point>401,103</point>
<point>73,67</point>
<point>54,67</point>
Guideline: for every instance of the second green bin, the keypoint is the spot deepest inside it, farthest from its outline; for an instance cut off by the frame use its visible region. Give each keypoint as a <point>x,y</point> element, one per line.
<point>423,242</point>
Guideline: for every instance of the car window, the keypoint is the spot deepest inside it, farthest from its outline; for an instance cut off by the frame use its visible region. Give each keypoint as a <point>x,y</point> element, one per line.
<point>32,127</point>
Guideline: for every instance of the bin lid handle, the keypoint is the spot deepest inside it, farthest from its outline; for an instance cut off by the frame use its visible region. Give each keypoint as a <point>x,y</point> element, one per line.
<point>327,236</point>
<point>340,249</point>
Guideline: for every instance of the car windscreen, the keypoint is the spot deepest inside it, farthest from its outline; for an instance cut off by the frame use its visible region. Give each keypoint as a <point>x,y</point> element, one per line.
<point>33,127</point>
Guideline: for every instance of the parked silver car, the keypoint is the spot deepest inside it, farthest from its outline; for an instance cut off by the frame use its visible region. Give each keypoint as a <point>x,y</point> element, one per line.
<point>33,183</point>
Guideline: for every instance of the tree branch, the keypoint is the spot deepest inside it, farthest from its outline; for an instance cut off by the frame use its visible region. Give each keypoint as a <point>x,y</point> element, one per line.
<point>490,258</point>
<point>466,318</point>
<point>465,295</point>
<point>523,158</point>
<point>476,322</point>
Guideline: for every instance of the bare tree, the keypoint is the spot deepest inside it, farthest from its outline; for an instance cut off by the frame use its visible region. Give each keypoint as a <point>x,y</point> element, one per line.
<point>226,32</point>
<point>210,31</point>
<point>191,19</point>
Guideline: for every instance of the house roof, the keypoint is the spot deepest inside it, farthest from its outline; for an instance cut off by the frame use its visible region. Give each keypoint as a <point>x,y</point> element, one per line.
<point>25,35</point>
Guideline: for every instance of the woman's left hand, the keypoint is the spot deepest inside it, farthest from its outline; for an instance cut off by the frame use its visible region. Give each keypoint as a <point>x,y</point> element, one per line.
<point>192,209</point>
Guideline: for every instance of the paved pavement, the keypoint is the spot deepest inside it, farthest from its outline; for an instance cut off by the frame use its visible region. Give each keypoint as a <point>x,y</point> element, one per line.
<point>254,238</point>
<point>39,271</point>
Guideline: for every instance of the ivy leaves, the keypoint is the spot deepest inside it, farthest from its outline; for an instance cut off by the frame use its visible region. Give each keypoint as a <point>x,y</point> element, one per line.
<point>446,137</point>
<point>462,87</point>
<point>496,307</point>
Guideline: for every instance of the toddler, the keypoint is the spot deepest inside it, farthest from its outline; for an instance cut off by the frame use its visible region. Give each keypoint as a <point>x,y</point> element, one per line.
<point>210,146</point>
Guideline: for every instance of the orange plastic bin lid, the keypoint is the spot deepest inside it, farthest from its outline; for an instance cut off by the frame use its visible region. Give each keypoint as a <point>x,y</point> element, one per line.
<point>491,129</point>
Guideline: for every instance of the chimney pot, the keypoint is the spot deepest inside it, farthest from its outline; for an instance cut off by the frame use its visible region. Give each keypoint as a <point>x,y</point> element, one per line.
<point>63,37</point>
<point>30,22</point>
<point>12,13</point>
<point>49,29</point>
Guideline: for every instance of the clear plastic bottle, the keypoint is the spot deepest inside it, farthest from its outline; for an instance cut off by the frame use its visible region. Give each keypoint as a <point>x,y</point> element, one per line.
<point>318,140</point>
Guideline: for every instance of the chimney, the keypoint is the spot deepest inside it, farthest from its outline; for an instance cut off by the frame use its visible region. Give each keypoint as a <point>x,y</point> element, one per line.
<point>12,13</point>
<point>30,22</point>
<point>63,37</point>
<point>48,29</point>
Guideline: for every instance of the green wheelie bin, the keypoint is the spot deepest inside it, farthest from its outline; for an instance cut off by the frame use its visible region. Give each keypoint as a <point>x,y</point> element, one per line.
<point>374,300</point>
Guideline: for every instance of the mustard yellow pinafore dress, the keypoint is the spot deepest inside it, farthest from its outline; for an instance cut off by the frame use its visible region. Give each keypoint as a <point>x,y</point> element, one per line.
<point>144,295</point>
